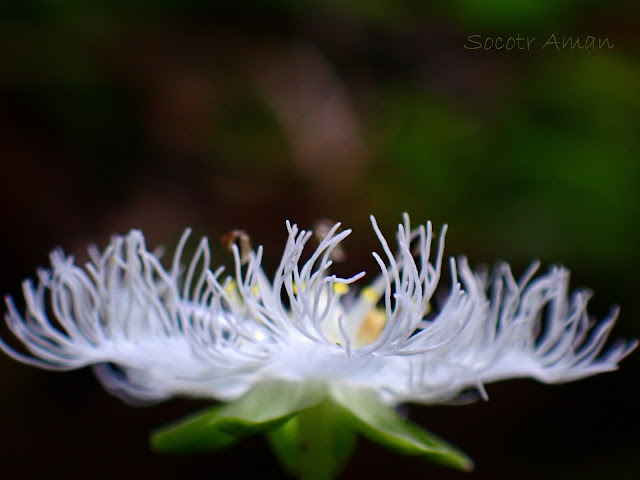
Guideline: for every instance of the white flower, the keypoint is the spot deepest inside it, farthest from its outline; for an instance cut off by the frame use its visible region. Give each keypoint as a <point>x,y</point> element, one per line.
<point>152,333</point>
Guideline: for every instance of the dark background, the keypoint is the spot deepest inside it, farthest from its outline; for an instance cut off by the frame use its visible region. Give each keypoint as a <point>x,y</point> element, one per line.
<point>165,114</point>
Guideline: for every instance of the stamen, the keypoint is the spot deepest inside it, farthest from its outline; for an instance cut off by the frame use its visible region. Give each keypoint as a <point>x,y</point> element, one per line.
<point>294,286</point>
<point>370,294</point>
<point>372,326</point>
<point>340,288</point>
<point>242,240</point>
<point>321,229</point>
<point>233,294</point>
<point>231,286</point>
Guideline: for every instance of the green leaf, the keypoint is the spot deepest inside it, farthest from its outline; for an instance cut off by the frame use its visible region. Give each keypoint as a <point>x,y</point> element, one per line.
<point>266,406</point>
<point>285,442</point>
<point>316,443</point>
<point>381,424</point>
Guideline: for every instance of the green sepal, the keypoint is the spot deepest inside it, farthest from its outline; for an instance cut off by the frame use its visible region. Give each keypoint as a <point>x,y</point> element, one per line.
<point>316,443</point>
<point>381,424</point>
<point>285,443</point>
<point>266,406</point>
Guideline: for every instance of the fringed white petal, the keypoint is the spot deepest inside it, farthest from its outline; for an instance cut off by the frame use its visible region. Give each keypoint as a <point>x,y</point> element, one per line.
<point>153,333</point>
<point>530,328</point>
<point>125,309</point>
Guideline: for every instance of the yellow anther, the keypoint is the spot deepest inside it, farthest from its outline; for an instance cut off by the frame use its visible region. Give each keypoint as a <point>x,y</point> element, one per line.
<point>372,326</point>
<point>255,290</point>
<point>231,288</point>
<point>295,287</point>
<point>370,294</point>
<point>233,294</point>
<point>340,288</point>
<point>427,310</point>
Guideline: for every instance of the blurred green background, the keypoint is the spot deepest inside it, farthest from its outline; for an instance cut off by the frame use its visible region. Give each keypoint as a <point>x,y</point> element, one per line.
<point>165,114</point>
